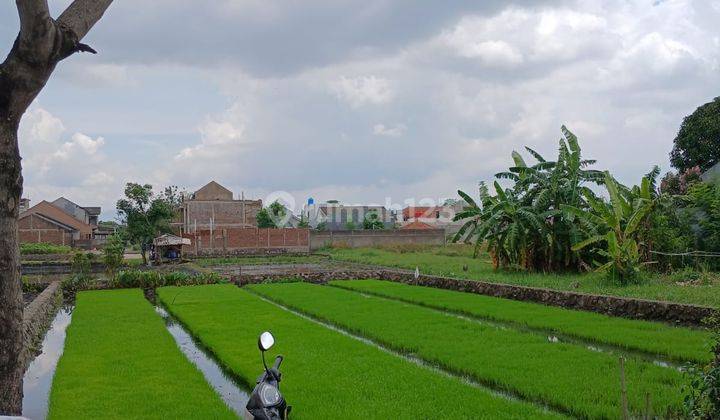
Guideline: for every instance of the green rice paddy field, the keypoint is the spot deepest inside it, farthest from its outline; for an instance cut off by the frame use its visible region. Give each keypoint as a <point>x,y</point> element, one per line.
<point>120,362</point>
<point>368,349</point>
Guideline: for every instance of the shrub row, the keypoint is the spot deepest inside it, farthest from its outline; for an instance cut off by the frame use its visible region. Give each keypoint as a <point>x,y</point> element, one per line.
<point>151,279</point>
<point>43,248</point>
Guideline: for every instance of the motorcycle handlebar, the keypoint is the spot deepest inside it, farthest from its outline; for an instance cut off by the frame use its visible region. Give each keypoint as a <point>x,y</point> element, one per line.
<point>278,360</point>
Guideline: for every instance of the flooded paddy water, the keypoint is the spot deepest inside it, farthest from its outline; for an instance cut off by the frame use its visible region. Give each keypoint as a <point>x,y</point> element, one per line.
<point>39,375</point>
<point>229,389</point>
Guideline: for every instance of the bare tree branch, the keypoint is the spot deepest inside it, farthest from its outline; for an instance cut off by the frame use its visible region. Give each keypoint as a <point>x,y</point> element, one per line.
<point>32,13</point>
<point>82,15</point>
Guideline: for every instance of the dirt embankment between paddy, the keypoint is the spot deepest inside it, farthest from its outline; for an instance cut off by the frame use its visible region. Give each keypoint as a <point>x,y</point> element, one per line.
<point>37,317</point>
<point>675,313</point>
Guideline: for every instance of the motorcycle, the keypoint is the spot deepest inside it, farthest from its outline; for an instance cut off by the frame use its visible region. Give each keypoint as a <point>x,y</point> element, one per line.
<point>266,402</point>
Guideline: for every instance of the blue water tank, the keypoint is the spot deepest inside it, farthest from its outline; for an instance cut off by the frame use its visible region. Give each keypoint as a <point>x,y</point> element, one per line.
<point>311,201</point>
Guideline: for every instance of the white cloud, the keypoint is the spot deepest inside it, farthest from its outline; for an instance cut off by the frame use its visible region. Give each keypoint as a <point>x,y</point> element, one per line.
<point>92,75</point>
<point>218,135</point>
<point>523,37</point>
<point>396,130</point>
<point>473,86</point>
<point>74,167</point>
<point>359,91</point>
<point>79,144</point>
<point>470,40</point>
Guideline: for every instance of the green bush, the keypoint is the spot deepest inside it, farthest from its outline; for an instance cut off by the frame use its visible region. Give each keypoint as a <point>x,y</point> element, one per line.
<point>75,283</point>
<point>44,248</point>
<point>113,254</point>
<point>702,394</point>
<point>80,278</point>
<point>80,264</point>
<point>152,279</point>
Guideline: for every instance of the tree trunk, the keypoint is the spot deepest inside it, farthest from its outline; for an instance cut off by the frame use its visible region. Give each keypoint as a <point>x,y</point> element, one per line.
<point>41,44</point>
<point>11,299</point>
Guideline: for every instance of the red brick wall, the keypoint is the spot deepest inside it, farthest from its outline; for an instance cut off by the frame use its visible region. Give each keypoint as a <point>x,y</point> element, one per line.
<point>219,214</point>
<point>33,229</point>
<point>247,240</point>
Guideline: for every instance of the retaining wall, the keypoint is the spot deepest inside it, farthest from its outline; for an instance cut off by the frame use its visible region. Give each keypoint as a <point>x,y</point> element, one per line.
<point>37,317</point>
<point>56,267</point>
<point>45,257</point>
<point>372,238</point>
<point>649,310</point>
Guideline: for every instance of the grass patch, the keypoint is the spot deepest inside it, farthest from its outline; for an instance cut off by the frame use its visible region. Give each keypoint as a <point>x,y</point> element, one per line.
<point>132,262</point>
<point>120,362</point>
<point>327,374</point>
<point>280,259</point>
<point>43,248</point>
<point>579,381</point>
<point>679,344</point>
<point>449,261</point>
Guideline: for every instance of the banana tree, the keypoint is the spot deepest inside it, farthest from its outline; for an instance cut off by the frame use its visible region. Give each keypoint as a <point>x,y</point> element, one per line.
<point>616,225</point>
<point>510,229</point>
<point>547,185</point>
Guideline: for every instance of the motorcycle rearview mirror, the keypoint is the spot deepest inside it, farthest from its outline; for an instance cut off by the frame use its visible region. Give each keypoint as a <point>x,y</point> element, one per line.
<point>266,341</point>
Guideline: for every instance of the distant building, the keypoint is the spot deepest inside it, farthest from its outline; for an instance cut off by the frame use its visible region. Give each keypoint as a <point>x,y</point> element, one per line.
<point>88,215</point>
<point>712,174</point>
<point>336,216</point>
<point>434,216</point>
<point>415,225</point>
<point>24,204</point>
<point>61,222</point>
<point>213,208</point>
<point>45,222</point>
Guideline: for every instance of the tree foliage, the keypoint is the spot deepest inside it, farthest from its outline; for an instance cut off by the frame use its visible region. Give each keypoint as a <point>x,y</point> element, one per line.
<point>698,141</point>
<point>704,205</point>
<point>272,217</point>
<point>303,223</point>
<point>678,184</point>
<point>114,253</point>
<point>144,215</point>
<point>372,221</point>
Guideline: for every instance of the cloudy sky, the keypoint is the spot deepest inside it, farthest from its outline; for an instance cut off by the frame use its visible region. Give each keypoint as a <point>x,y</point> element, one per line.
<point>361,100</point>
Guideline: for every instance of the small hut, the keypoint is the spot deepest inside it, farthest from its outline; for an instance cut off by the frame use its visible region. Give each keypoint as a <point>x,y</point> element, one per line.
<point>169,247</point>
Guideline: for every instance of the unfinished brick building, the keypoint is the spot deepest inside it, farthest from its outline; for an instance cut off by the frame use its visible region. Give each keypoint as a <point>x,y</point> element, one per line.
<point>212,208</point>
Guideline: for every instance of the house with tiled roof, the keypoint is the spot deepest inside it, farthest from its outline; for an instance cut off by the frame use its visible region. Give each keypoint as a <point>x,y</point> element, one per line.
<point>416,224</point>
<point>48,223</point>
<point>437,217</point>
